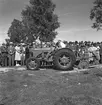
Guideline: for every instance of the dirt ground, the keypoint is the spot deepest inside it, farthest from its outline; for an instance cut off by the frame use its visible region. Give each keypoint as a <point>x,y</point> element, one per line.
<point>50,87</point>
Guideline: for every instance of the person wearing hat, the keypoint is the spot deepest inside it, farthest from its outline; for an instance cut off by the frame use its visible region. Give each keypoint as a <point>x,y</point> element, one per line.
<point>4,54</point>
<point>11,54</point>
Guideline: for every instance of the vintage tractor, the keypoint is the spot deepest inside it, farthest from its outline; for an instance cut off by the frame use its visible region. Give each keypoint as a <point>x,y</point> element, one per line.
<point>61,59</point>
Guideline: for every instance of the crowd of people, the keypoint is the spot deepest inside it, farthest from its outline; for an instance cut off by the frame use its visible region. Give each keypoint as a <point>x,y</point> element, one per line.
<point>16,54</point>
<point>13,54</point>
<point>92,50</point>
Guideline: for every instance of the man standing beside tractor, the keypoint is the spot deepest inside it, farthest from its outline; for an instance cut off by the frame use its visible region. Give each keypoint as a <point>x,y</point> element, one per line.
<point>22,54</point>
<point>100,53</point>
<point>11,54</point>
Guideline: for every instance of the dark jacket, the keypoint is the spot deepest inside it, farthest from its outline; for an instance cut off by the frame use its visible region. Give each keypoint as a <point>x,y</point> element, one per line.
<point>11,50</point>
<point>4,51</point>
<point>100,50</point>
<point>27,52</point>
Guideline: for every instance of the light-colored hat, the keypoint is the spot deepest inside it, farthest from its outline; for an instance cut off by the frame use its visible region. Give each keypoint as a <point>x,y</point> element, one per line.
<point>23,44</point>
<point>33,42</point>
<point>11,43</point>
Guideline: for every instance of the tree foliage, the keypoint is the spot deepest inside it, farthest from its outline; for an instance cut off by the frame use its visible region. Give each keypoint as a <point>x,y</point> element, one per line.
<point>96,14</point>
<point>40,21</point>
<point>16,32</point>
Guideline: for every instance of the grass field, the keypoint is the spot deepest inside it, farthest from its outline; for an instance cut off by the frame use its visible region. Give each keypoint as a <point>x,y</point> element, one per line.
<point>49,87</point>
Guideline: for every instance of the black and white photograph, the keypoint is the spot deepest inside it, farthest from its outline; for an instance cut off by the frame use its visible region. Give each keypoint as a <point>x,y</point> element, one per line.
<point>50,52</point>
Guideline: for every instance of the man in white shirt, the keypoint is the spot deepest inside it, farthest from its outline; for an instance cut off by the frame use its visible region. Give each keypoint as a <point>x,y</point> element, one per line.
<point>60,44</point>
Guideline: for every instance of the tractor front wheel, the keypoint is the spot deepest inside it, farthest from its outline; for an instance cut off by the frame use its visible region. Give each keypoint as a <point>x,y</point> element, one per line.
<point>32,63</point>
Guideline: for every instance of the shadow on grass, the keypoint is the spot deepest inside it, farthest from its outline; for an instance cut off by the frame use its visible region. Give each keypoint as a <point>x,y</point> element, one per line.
<point>78,100</point>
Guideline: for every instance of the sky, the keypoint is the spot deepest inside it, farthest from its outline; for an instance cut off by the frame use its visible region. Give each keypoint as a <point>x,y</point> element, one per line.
<point>75,23</point>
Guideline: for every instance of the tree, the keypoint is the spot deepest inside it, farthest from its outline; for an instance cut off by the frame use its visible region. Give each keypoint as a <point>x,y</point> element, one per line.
<point>16,32</point>
<point>96,14</point>
<point>40,20</point>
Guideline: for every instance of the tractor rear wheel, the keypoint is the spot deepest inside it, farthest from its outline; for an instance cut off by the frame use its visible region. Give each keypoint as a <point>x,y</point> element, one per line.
<point>64,59</point>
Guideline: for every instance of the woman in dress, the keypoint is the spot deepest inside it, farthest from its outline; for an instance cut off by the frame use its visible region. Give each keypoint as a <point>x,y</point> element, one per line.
<point>17,54</point>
